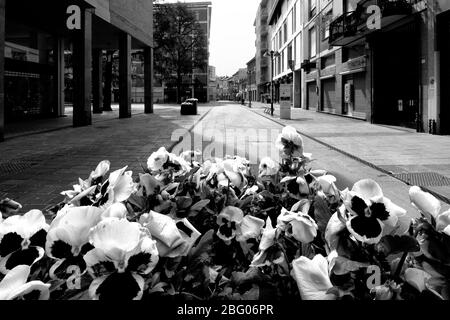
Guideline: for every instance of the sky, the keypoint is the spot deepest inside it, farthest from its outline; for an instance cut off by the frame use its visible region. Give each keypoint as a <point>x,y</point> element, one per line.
<point>232,42</point>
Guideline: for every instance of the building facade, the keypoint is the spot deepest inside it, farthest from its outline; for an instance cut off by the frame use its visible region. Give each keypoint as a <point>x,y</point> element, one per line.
<point>385,62</point>
<point>197,84</point>
<point>212,83</point>
<point>52,53</point>
<point>262,62</point>
<point>252,88</point>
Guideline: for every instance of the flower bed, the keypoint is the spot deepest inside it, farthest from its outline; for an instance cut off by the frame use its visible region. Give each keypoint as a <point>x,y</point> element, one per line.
<point>215,231</point>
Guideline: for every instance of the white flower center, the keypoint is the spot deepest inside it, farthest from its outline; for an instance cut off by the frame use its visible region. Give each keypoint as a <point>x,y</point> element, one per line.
<point>25,243</point>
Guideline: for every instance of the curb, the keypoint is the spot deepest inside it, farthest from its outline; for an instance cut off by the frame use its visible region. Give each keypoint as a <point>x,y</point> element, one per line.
<point>369,164</point>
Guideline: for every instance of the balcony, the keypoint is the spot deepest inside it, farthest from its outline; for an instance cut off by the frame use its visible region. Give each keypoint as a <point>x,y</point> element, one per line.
<point>352,26</point>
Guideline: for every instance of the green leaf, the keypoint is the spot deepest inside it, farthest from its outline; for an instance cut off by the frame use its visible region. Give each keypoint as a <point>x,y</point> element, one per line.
<point>322,213</point>
<point>397,244</point>
<point>253,275</point>
<point>203,246</point>
<point>184,203</point>
<point>200,205</point>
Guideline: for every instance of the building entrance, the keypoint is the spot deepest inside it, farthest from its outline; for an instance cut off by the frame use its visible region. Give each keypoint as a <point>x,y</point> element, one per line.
<point>396,76</point>
<point>443,33</point>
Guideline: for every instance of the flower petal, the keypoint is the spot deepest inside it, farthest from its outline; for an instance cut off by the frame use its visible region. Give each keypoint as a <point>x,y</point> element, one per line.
<point>144,258</point>
<point>117,286</point>
<point>367,230</point>
<point>304,228</point>
<point>122,189</point>
<point>25,226</point>
<point>232,214</point>
<point>443,222</point>
<point>312,278</point>
<point>250,228</point>
<point>101,170</point>
<point>334,227</point>
<point>367,189</point>
<point>417,278</point>
<point>116,237</point>
<point>27,257</point>
<point>72,226</point>
<point>149,183</point>
<point>98,263</point>
<point>162,227</point>
<point>156,161</point>
<point>116,210</point>
<point>426,203</point>
<point>14,279</point>
<point>268,236</point>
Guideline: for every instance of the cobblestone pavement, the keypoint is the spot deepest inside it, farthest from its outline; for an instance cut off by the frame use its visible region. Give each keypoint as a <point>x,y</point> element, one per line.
<point>419,158</point>
<point>34,169</point>
<point>48,163</point>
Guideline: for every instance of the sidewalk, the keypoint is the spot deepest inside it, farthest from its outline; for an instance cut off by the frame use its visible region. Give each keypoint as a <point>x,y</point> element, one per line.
<point>35,168</point>
<point>415,158</point>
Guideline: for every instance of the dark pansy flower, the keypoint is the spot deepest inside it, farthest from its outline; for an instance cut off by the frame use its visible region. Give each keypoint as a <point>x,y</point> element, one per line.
<point>369,211</point>
<point>233,224</point>
<point>123,252</point>
<point>22,240</point>
<point>68,238</point>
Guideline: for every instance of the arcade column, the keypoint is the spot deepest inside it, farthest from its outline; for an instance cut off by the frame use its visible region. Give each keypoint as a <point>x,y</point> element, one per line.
<point>125,75</point>
<point>148,79</point>
<point>97,78</point>
<point>2,68</point>
<point>82,71</point>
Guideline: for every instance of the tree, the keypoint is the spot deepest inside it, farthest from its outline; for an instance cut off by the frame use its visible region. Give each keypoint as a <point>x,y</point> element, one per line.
<point>180,43</point>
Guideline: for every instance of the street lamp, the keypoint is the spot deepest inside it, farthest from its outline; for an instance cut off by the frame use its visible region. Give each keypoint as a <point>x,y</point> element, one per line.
<point>272,54</point>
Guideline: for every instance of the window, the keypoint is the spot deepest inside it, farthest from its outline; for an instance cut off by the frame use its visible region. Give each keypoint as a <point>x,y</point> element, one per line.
<point>295,48</point>
<point>312,42</point>
<point>312,8</point>
<point>294,19</point>
<point>282,61</point>
<point>280,39</point>
<point>285,31</point>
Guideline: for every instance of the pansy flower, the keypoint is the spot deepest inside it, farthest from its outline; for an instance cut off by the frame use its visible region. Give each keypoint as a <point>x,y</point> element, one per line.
<point>14,286</point>
<point>233,224</point>
<point>425,203</point>
<point>87,187</point>
<point>298,225</point>
<point>22,240</point>
<point>233,170</point>
<point>191,156</point>
<point>68,238</point>
<point>119,187</point>
<point>268,167</point>
<point>290,142</point>
<point>123,252</point>
<point>312,278</point>
<point>157,159</point>
<point>8,208</point>
<point>268,237</point>
<point>369,211</point>
<point>173,238</point>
